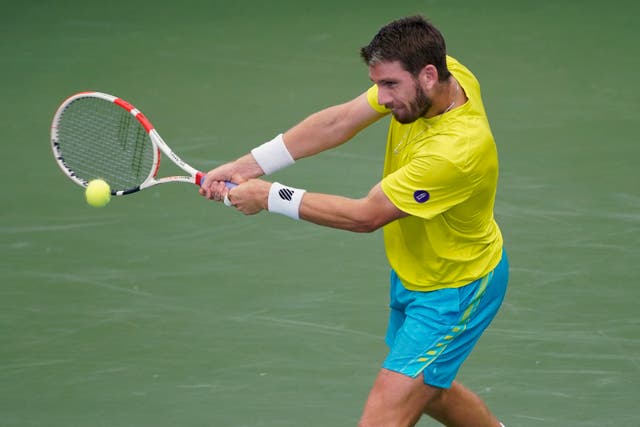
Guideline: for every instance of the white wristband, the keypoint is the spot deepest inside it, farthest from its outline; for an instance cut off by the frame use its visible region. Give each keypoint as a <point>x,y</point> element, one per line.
<point>273,155</point>
<point>285,200</point>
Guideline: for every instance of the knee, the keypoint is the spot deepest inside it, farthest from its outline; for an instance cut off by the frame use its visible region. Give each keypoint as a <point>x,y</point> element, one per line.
<point>365,422</point>
<point>436,399</point>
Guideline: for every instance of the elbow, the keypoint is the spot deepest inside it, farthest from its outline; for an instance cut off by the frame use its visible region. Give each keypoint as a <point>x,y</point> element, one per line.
<point>366,225</point>
<point>363,229</point>
<point>367,217</point>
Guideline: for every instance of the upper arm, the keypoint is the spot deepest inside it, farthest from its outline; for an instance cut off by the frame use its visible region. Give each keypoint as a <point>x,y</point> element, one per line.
<point>378,210</point>
<point>357,114</point>
<point>330,127</point>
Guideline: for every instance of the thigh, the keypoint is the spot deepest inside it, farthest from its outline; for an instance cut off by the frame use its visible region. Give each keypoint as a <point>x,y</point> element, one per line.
<point>425,336</point>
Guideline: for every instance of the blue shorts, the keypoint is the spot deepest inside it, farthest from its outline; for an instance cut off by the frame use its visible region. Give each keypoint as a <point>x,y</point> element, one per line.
<point>432,333</point>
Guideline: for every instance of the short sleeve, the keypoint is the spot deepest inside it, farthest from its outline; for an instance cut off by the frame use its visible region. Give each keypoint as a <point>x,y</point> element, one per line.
<point>427,186</point>
<point>372,97</point>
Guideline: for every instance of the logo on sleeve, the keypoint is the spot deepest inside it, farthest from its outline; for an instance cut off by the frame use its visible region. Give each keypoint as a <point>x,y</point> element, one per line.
<point>421,196</point>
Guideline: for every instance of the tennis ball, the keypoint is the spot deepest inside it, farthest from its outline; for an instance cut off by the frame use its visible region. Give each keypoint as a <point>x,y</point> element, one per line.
<point>98,193</point>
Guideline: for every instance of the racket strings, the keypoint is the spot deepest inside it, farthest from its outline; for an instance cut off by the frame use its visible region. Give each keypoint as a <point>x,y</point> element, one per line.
<point>99,139</point>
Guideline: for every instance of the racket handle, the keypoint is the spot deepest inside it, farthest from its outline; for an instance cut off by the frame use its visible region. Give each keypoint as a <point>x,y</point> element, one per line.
<point>201,176</point>
<point>200,179</point>
<point>226,200</point>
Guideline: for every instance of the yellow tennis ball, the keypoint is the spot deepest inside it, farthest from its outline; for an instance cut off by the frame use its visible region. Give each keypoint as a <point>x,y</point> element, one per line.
<point>98,193</point>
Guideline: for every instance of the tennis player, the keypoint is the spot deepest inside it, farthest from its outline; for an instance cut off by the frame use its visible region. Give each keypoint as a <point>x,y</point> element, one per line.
<point>449,271</point>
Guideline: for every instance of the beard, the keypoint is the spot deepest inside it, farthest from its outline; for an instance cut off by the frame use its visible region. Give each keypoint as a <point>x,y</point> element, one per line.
<point>415,109</point>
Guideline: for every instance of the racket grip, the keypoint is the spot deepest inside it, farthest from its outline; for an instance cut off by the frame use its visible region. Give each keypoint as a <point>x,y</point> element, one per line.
<point>201,176</point>
<point>200,179</point>
<point>226,200</point>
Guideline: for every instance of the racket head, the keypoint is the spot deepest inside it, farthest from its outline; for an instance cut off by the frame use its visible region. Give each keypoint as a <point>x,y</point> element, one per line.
<point>96,135</point>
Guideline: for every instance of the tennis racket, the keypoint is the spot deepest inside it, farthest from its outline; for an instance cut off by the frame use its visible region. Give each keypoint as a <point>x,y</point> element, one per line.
<point>96,135</point>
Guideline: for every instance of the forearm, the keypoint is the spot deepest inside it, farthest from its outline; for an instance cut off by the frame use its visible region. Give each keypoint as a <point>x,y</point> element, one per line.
<point>337,212</point>
<point>246,166</point>
<point>358,215</point>
<point>328,210</point>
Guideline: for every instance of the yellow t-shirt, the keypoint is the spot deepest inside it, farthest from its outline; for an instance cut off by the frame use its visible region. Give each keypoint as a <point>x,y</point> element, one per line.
<point>443,172</point>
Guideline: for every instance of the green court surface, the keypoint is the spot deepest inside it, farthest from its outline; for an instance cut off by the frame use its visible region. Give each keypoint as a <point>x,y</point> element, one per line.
<point>164,309</point>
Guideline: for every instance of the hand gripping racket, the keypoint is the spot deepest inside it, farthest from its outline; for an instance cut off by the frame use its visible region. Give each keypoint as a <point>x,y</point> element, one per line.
<point>95,135</point>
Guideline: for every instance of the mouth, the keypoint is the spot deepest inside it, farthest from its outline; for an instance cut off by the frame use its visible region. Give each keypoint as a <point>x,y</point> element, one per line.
<point>398,109</point>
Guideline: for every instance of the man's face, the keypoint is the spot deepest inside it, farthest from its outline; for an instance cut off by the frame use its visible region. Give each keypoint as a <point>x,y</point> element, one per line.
<point>399,91</point>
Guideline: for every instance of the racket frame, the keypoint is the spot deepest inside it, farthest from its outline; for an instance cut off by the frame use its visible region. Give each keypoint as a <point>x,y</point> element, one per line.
<point>159,145</point>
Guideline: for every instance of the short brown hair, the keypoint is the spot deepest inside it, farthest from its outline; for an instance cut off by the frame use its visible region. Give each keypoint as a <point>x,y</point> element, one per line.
<point>413,41</point>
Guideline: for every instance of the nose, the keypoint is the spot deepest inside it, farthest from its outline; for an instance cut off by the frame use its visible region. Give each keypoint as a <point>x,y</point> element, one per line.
<point>383,97</point>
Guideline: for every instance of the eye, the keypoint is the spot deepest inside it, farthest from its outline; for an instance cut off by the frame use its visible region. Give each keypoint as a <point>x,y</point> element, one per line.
<point>388,83</point>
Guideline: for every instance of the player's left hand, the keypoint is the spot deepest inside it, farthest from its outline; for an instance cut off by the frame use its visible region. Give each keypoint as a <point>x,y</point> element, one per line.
<point>250,197</point>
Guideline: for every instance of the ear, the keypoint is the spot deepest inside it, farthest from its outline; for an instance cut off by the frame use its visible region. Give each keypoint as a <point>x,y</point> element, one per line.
<point>428,77</point>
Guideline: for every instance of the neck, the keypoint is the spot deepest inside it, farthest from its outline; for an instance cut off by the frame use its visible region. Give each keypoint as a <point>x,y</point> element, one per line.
<point>446,98</point>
